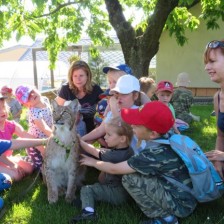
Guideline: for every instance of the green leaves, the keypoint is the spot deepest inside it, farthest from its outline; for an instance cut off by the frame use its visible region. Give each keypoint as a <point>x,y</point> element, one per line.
<point>63,22</point>
<point>212,11</point>
<point>179,21</point>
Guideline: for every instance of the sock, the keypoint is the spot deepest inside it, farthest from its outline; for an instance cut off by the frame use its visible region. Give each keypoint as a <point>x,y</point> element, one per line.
<point>169,218</point>
<point>89,209</point>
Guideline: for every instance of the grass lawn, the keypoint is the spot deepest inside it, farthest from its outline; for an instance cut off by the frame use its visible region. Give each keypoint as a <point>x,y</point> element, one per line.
<point>33,207</point>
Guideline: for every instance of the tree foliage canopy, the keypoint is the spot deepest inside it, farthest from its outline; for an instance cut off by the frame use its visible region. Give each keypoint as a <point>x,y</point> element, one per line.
<point>62,22</point>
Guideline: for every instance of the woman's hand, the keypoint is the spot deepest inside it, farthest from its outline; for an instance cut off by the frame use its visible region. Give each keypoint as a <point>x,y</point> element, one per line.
<point>215,155</point>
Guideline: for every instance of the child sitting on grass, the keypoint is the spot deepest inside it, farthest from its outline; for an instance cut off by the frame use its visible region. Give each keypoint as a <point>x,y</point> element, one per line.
<point>161,201</point>
<point>164,93</point>
<point>118,137</point>
<point>14,105</point>
<point>40,118</point>
<point>5,180</point>
<point>148,86</point>
<point>15,166</point>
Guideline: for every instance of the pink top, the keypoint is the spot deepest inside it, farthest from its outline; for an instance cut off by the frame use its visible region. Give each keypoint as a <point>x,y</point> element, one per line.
<point>7,134</point>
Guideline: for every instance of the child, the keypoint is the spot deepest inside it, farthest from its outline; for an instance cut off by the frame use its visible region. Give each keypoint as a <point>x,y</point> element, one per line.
<point>158,199</point>
<point>40,118</point>
<point>118,137</point>
<point>5,180</point>
<point>99,116</point>
<point>182,99</point>
<point>148,86</point>
<point>15,166</point>
<point>14,105</point>
<point>114,72</point>
<point>164,92</point>
<point>124,96</point>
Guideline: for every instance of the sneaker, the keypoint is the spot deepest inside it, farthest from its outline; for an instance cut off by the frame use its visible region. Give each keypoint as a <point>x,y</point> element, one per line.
<point>85,216</point>
<point>160,221</point>
<point>212,113</point>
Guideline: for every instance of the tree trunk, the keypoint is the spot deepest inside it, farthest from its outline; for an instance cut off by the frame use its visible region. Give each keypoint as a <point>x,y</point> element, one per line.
<point>139,47</point>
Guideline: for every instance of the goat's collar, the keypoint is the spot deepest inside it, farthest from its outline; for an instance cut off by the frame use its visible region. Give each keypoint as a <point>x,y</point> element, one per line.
<point>66,147</point>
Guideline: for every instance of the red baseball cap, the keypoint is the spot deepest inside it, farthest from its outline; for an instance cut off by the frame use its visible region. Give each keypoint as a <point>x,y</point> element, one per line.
<point>6,89</point>
<point>164,86</point>
<point>154,115</point>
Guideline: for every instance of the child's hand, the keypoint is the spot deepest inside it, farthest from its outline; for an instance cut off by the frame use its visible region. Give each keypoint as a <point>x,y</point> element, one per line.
<point>86,160</point>
<point>21,171</point>
<point>114,106</point>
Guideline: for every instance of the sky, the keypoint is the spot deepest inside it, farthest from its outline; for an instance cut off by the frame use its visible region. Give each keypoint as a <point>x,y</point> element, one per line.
<point>28,41</point>
<point>13,42</point>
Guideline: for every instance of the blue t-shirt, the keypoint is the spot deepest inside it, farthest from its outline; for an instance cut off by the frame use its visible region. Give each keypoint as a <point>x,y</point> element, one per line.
<point>4,145</point>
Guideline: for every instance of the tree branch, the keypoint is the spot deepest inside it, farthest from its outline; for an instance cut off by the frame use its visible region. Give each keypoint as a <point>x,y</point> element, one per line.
<point>60,6</point>
<point>123,28</point>
<point>157,21</point>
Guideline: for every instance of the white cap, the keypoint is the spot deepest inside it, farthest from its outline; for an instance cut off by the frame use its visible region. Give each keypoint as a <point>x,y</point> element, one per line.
<point>183,79</point>
<point>126,84</point>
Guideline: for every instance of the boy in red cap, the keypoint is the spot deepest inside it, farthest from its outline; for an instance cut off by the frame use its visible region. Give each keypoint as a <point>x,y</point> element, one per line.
<point>158,199</point>
<point>164,93</point>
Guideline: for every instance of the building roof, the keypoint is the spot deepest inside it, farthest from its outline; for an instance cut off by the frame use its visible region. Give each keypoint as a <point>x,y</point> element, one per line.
<point>111,55</point>
<point>16,72</point>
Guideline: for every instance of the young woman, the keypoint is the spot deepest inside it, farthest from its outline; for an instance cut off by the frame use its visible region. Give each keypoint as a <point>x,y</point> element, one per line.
<point>81,87</point>
<point>214,65</point>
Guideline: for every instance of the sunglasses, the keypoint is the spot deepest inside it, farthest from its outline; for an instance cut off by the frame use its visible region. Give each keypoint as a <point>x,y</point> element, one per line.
<point>215,44</point>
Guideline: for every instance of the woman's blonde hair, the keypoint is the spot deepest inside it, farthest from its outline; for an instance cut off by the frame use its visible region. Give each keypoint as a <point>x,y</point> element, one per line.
<point>208,50</point>
<point>85,67</point>
<point>121,128</point>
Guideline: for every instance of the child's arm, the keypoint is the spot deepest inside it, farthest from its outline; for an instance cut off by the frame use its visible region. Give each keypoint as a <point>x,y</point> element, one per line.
<point>42,125</point>
<point>176,129</point>
<point>95,133</point>
<point>107,167</point>
<point>90,148</point>
<point>114,106</point>
<point>19,131</point>
<point>6,161</point>
<point>26,142</point>
<point>18,114</point>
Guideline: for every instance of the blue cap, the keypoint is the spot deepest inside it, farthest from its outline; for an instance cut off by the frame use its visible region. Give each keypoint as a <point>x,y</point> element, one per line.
<point>101,106</point>
<point>119,67</point>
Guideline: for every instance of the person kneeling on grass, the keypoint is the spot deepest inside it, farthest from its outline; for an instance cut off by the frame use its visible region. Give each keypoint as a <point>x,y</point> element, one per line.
<point>159,200</point>
<point>109,189</point>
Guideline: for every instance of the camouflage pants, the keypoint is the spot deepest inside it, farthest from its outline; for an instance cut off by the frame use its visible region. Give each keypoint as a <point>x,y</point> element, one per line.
<point>102,192</point>
<point>154,200</point>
